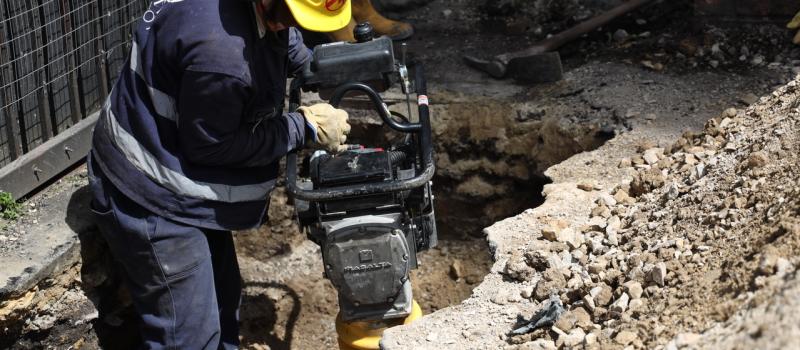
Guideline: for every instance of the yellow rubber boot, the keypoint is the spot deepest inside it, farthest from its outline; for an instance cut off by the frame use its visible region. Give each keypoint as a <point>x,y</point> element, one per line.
<point>363,11</point>
<point>344,34</point>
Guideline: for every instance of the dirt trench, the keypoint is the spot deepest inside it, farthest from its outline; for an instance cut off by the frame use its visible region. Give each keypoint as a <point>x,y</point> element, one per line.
<point>489,167</point>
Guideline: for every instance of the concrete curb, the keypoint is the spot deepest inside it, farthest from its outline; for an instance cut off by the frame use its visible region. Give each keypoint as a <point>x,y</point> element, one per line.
<point>50,243</point>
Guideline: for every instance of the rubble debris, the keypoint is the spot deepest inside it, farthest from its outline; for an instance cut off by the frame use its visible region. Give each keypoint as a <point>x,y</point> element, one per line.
<point>572,339</point>
<point>625,337</point>
<point>634,289</point>
<point>620,305</point>
<point>657,273</point>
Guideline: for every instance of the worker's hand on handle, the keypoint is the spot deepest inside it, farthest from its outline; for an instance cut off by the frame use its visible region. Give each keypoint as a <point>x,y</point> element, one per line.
<point>795,24</point>
<point>328,127</point>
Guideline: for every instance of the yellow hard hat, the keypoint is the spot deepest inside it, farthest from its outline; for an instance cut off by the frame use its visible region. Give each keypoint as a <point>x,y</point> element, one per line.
<point>320,15</point>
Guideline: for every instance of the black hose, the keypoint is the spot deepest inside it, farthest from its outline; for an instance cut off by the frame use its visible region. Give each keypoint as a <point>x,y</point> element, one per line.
<point>376,99</point>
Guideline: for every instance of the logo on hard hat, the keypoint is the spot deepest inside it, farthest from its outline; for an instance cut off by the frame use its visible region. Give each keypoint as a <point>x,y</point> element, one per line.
<point>334,5</point>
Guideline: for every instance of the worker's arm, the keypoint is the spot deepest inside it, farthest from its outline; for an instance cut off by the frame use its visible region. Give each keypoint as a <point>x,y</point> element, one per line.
<point>212,129</point>
<point>299,54</point>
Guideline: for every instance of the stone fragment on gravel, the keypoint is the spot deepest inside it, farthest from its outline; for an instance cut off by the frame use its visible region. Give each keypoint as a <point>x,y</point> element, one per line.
<point>625,337</point>
<point>553,227</point>
<point>588,301</point>
<point>552,282</point>
<point>635,304</point>
<point>634,289</point>
<point>613,225</point>
<point>526,292</point>
<point>582,318</point>
<point>601,294</point>
<point>699,170</point>
<point>646,181</point>
<point>657,273</point>
<point>538,259</point>
<point>672,191</point>
<point>590,340</point>
<point>601,211</point>
<point>651,156</point>
<point>620,305</point>
<point>574,338</point>
<point>569,236</point>
<point>597,265</point>
<point>621,196</point>
<point>607,199</point>
<point>566,321</point>
<point>517,268</point>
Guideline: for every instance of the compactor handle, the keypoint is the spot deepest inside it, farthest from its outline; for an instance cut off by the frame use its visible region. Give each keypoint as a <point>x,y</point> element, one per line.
<point>423,128</point>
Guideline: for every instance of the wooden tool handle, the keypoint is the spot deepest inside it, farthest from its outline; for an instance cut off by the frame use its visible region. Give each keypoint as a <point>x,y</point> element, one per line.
<point>556,41</point>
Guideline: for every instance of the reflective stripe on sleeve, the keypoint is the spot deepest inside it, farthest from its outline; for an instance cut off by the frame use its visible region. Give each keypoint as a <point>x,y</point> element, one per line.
<point>143,160</point>
<point>164,104</point>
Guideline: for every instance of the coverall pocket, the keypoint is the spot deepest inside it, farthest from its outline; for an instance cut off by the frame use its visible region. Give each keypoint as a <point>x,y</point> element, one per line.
<point>180,249</point>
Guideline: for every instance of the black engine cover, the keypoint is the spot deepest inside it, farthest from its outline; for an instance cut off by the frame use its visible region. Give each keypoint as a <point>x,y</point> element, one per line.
<point>351,167</point>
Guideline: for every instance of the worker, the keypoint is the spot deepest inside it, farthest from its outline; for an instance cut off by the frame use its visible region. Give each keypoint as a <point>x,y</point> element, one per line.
<point>363,11</point>
<point>187,149</point>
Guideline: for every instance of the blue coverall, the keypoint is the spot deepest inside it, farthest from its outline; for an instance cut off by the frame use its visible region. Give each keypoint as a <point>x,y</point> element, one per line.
<point>186,149</point>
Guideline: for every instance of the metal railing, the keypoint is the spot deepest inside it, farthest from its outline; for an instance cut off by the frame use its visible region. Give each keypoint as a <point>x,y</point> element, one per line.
<point>57,61</point>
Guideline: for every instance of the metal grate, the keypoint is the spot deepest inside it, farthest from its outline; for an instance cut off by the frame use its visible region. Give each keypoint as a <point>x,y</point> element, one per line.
<point>57,61</point>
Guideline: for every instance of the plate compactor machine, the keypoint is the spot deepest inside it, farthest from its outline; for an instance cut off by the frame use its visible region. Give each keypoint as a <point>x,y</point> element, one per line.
<point>370,208</point>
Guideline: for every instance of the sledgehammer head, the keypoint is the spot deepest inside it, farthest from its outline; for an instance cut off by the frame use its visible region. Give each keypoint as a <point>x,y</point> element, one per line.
<point>542,67</point>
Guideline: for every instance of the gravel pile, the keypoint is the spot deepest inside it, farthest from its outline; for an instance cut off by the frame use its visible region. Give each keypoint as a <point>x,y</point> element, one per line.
<point>708,227</point>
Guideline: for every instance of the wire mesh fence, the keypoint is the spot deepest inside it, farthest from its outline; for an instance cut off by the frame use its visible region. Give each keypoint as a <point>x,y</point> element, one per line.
<point>57,61</point>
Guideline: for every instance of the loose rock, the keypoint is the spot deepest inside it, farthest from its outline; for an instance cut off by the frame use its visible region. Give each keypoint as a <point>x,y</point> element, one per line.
<point>625,337</point>
<point>634,289</point>
<point>620,305</point>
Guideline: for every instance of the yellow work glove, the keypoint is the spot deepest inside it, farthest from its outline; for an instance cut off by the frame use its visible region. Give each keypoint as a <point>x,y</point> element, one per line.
<point>795,24</point>
<point>328,127</point>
